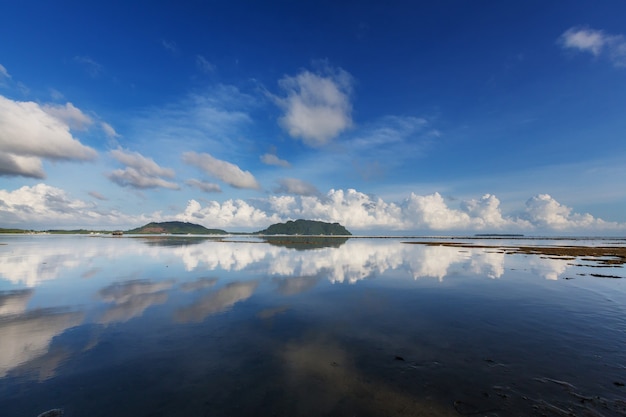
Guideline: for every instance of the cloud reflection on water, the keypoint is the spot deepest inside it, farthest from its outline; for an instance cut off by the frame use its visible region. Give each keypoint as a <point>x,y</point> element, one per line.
<point>216,301</point>
<point>295,285</point>
<point>132,298</point>
<point>26,336</point>
<point>350,262</point>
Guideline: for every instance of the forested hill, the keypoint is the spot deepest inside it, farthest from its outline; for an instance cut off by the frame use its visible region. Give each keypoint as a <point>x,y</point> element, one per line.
<point>176,228</point>
<point>305,227</point>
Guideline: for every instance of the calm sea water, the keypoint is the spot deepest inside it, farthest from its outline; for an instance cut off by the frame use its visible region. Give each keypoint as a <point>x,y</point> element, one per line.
<point>103,326</point>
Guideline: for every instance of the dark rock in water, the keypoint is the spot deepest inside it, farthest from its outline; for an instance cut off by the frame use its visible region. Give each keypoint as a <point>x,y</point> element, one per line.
<point>55,412</point>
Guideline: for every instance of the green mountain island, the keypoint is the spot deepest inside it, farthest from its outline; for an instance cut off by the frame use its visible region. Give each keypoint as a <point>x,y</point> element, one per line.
<point>305,227</point>
<point>299,227</point>
<point>176,228</point>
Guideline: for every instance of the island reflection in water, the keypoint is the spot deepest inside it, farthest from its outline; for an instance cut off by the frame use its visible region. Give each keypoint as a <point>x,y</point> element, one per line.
<point>143,326</point>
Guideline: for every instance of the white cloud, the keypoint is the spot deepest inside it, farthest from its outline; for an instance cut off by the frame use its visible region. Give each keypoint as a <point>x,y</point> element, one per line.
<point>230,213</point>
<point>596,42</point>
<point>317,107</point>
<point>3,72</point>
<point>204,65</point>
<point>487,212</point>
<point>543,211</point>
<point>207,187</point>
<point>271,159</point>
<point>44,206</point>
<point>68,114</point>
<point>109,131</point>
<point>41,203</point>
<point>28,134</point>
<point>296,186</point>
<point>361,212</point>
<point>140,172</point>
<point>588,40</point>
<point>231,174</point>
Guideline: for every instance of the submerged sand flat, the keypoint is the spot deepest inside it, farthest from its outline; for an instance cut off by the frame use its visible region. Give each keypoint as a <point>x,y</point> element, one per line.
<point>609,255</point>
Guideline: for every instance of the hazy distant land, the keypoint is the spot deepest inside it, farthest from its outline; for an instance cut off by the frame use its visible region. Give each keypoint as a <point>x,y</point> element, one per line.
<point>298,227</point>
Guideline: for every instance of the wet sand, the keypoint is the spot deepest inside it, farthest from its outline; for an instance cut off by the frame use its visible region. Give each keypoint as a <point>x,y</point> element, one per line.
<point>606,255</point>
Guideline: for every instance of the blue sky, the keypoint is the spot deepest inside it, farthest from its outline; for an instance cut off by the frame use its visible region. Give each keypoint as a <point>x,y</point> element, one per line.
<point>388,117</point>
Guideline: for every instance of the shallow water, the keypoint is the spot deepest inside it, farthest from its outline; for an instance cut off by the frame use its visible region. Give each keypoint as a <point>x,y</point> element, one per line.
<point>145,326</point>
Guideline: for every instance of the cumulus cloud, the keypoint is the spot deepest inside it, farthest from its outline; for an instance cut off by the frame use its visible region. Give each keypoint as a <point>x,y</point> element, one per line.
<point>230,213</point>
<point>272,159</point>
<point>44,206</point>
<point>207,187</point>
<point>296,186</point>
<point>28,134</point>
<point>140,172</point>
<point>595,42</point>
<point>543,211</point>
<point>317,107</point>
<point>41,202</point>
<point>359,212</point>
<point>231,174</point>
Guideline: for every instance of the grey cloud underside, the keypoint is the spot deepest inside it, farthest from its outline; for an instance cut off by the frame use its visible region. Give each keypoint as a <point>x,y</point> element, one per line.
<point>13,165</point>
<point>140,172</point>
<point>207,187</point>
<point>296,186</point>
<point>227,172</point>
<point>130,177</point>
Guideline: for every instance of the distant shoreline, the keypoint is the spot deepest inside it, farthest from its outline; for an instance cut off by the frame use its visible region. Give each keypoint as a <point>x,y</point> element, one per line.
<point>82,232</point>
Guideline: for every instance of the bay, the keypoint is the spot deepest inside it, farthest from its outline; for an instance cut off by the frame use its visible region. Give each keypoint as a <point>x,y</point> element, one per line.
<point>225,326</point>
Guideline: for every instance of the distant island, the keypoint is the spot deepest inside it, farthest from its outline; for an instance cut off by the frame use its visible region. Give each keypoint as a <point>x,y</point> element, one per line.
<point>498,235</point>
<point>298,227</point>
<point>175,228</point>
<point>305,227</point>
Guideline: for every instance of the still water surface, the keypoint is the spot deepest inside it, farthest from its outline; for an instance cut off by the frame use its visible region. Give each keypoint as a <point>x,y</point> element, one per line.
<point>145,326</point>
